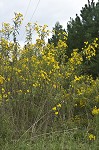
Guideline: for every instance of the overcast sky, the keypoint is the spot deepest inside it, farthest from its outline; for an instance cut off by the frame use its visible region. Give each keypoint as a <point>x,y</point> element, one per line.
<point>48,11</point>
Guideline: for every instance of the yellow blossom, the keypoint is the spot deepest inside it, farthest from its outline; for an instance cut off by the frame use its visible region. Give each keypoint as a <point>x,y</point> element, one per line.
<point>59,105</point>
<point>75,105</point>
<point>92,137</point>
<point>28,91</point>
<point>56,113</point>
<point>54,108</point>
<point>77,78</point>
<point>54,86</point>
<point>20,91</point>
<point>8,79</point>
<point>95,111</point>
<point>5,96</point>
<point>18,70</point>
<point>8,93</point>
<point>3,90</point>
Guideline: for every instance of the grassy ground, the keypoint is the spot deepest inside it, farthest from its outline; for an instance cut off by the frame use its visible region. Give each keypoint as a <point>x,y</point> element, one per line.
<point>67,140</point>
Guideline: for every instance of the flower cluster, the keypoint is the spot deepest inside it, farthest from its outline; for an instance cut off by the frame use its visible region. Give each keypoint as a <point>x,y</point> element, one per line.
<point>95,111</point>
<point>56,108</point>
<point>91,137</point>
<point>90,49</point>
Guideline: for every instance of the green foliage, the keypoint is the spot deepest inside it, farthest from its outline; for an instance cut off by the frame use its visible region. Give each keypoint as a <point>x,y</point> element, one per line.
<point>58,34</point>
<point>82,29</point>
<point>68,139</point>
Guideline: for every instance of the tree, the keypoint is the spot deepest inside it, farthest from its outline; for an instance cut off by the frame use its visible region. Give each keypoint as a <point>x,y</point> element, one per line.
<point>75,36</point>
<point>85,28</point>
<point>58,34</point>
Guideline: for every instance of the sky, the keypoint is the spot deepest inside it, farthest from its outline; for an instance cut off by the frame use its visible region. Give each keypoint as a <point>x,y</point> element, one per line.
<point>41,11</point>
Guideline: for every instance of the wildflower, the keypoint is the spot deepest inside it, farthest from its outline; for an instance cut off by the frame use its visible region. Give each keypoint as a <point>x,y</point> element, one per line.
<point>92,137</point>
<point>28,91</point>
<point>86,43</point>
<point>20,91</point>
<point>95,111</point>
<point>54,108</point>
<point>5,96</point>
<point>54,86</point>
<point>3,90</point>
<point>59,105</point>
<point>8,93</point>
<point>18,70</point>
<point>76,78</point>
<point>56,113</point>
<point>1,79</point>
<point>8,79</point>
<point>75,105</point>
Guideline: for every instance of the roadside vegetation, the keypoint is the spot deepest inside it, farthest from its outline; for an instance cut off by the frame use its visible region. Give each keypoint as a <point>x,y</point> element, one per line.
<point>48,99</point>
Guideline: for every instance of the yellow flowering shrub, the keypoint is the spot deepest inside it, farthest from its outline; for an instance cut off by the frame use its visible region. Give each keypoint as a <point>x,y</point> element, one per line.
<point>89,49</point>
<point>43,76</point>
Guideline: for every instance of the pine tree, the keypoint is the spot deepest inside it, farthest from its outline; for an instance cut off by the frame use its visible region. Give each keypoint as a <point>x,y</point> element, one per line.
<point>85,28</point>
<point>57,34</point>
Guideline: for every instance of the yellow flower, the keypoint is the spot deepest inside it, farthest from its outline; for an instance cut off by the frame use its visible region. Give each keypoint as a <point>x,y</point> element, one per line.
<point>1,79</point>
<point>54,108</point>
<point>20,91</point>
<point>8,93</point>
<point>28,91</point>
<point>76,78</point>
<point>95,111</point>
<point>75,105</point>
<point>92,137</point>
<point>59,105</point>
<point>3,90</point>
<point>8,79</point>
<point>18,70</point>
<point>56,113</point>
<point>5,96</point>
<point>54,86</point>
